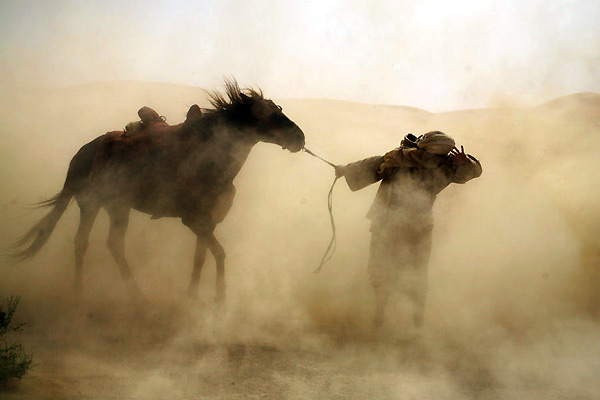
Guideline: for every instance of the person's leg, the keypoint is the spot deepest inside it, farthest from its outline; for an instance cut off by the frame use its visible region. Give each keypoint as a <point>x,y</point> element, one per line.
<point>382,272</point>
<point>419,255</point>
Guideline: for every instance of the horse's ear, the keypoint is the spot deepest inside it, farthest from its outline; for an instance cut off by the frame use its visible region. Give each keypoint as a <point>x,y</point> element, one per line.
<point>194,113</point>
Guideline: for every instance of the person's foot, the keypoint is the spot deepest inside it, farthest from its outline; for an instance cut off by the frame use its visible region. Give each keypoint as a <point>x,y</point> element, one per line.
<point>418,320</point>
<point>378,320</point>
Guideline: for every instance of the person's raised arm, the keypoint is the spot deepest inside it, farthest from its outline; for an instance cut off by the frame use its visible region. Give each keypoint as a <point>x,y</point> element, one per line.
<point>466,167</point>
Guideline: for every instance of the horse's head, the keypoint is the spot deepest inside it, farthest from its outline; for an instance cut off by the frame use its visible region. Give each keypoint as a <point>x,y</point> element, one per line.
<point>262,117</point>
<point>271,124</point>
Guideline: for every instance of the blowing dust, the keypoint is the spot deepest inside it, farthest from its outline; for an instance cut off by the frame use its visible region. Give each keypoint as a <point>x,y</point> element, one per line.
<point>514,280</point>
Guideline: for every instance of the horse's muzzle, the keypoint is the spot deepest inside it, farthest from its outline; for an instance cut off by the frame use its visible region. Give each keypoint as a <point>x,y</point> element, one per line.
<point>297,141</point>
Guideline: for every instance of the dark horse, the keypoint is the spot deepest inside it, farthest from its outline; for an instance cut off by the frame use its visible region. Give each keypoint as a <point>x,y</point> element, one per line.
<point>184,171</point>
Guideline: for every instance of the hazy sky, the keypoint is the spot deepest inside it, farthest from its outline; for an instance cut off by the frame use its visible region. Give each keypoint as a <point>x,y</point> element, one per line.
<point>433,54</point>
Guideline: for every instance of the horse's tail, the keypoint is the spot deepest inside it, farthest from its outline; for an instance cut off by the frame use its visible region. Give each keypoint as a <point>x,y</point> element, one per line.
<point>79,169</point>
<point>32,241</point>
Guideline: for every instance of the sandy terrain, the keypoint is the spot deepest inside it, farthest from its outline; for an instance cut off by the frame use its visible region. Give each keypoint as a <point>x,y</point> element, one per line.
<point>514,276</point>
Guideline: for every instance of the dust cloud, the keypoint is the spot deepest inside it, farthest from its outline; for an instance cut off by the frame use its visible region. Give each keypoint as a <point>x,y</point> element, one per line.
<point>513,303</point>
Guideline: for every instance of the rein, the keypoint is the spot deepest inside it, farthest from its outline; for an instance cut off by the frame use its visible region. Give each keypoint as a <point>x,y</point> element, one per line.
<point>320,158</point>
<point>333,242</point>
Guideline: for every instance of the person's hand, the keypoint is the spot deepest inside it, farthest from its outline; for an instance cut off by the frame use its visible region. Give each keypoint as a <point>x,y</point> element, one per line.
<point>459,157</point>
<point>339,171</point>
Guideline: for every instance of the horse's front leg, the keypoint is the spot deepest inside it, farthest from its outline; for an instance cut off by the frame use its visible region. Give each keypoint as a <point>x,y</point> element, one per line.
<point>199,257</point>
<point>206,239</point>
<point>219,253</point>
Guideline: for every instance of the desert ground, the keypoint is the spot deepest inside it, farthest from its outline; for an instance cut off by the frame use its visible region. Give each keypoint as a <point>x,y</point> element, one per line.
<point>514,298</point>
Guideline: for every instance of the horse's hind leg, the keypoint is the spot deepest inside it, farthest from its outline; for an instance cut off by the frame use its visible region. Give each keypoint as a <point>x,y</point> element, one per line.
<point>119,220</point>
<point>219,253</point>
<point>87,216</point>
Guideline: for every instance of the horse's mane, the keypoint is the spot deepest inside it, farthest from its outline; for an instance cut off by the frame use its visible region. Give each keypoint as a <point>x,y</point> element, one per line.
<point>232,96</point>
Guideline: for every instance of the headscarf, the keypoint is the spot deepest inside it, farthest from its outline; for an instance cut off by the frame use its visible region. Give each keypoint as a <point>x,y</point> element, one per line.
<point>426,151</point>
<point>435,142</point>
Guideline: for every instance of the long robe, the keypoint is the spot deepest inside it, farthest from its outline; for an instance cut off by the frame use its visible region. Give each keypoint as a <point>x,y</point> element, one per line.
<point>401,214</point>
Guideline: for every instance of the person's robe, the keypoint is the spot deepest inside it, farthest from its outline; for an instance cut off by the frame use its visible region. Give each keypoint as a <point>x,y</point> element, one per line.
<point>410,181</point>
<point>401,214</point>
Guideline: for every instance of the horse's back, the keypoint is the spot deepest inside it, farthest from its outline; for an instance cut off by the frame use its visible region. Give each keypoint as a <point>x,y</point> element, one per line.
<point>81,164</point>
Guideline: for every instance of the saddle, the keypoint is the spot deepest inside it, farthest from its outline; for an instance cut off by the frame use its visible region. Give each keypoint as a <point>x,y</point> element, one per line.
<point>147,116</point>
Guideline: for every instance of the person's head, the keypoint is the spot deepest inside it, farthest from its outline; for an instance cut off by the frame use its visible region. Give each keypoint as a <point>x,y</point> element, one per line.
<point>435,142</point>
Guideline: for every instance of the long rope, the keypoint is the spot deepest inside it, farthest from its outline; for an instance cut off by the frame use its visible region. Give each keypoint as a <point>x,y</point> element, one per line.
<point>320,158</point>
<point>333,242</point>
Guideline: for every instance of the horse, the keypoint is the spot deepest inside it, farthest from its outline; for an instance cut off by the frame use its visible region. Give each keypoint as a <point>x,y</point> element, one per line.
<point>181,171</point>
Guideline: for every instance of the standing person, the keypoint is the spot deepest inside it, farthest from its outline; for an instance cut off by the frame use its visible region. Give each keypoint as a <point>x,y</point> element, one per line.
<point>401,216</point>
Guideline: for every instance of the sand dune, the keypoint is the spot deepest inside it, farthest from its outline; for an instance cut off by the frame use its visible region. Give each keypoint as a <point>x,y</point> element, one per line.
<point>514,275</point>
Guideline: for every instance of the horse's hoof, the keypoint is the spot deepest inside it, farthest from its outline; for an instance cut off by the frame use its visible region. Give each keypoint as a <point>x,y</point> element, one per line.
<point>220,298</point>
<point>138,297</point>
<point>378,321</point>
<point>192,293</point>
<point>78,288</point>
<point>418,320</point>
<point>135,293</point>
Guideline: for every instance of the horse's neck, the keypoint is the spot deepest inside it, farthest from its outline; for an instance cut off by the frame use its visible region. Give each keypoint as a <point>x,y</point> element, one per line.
<point>235,160</point>
<point>227,150</point>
